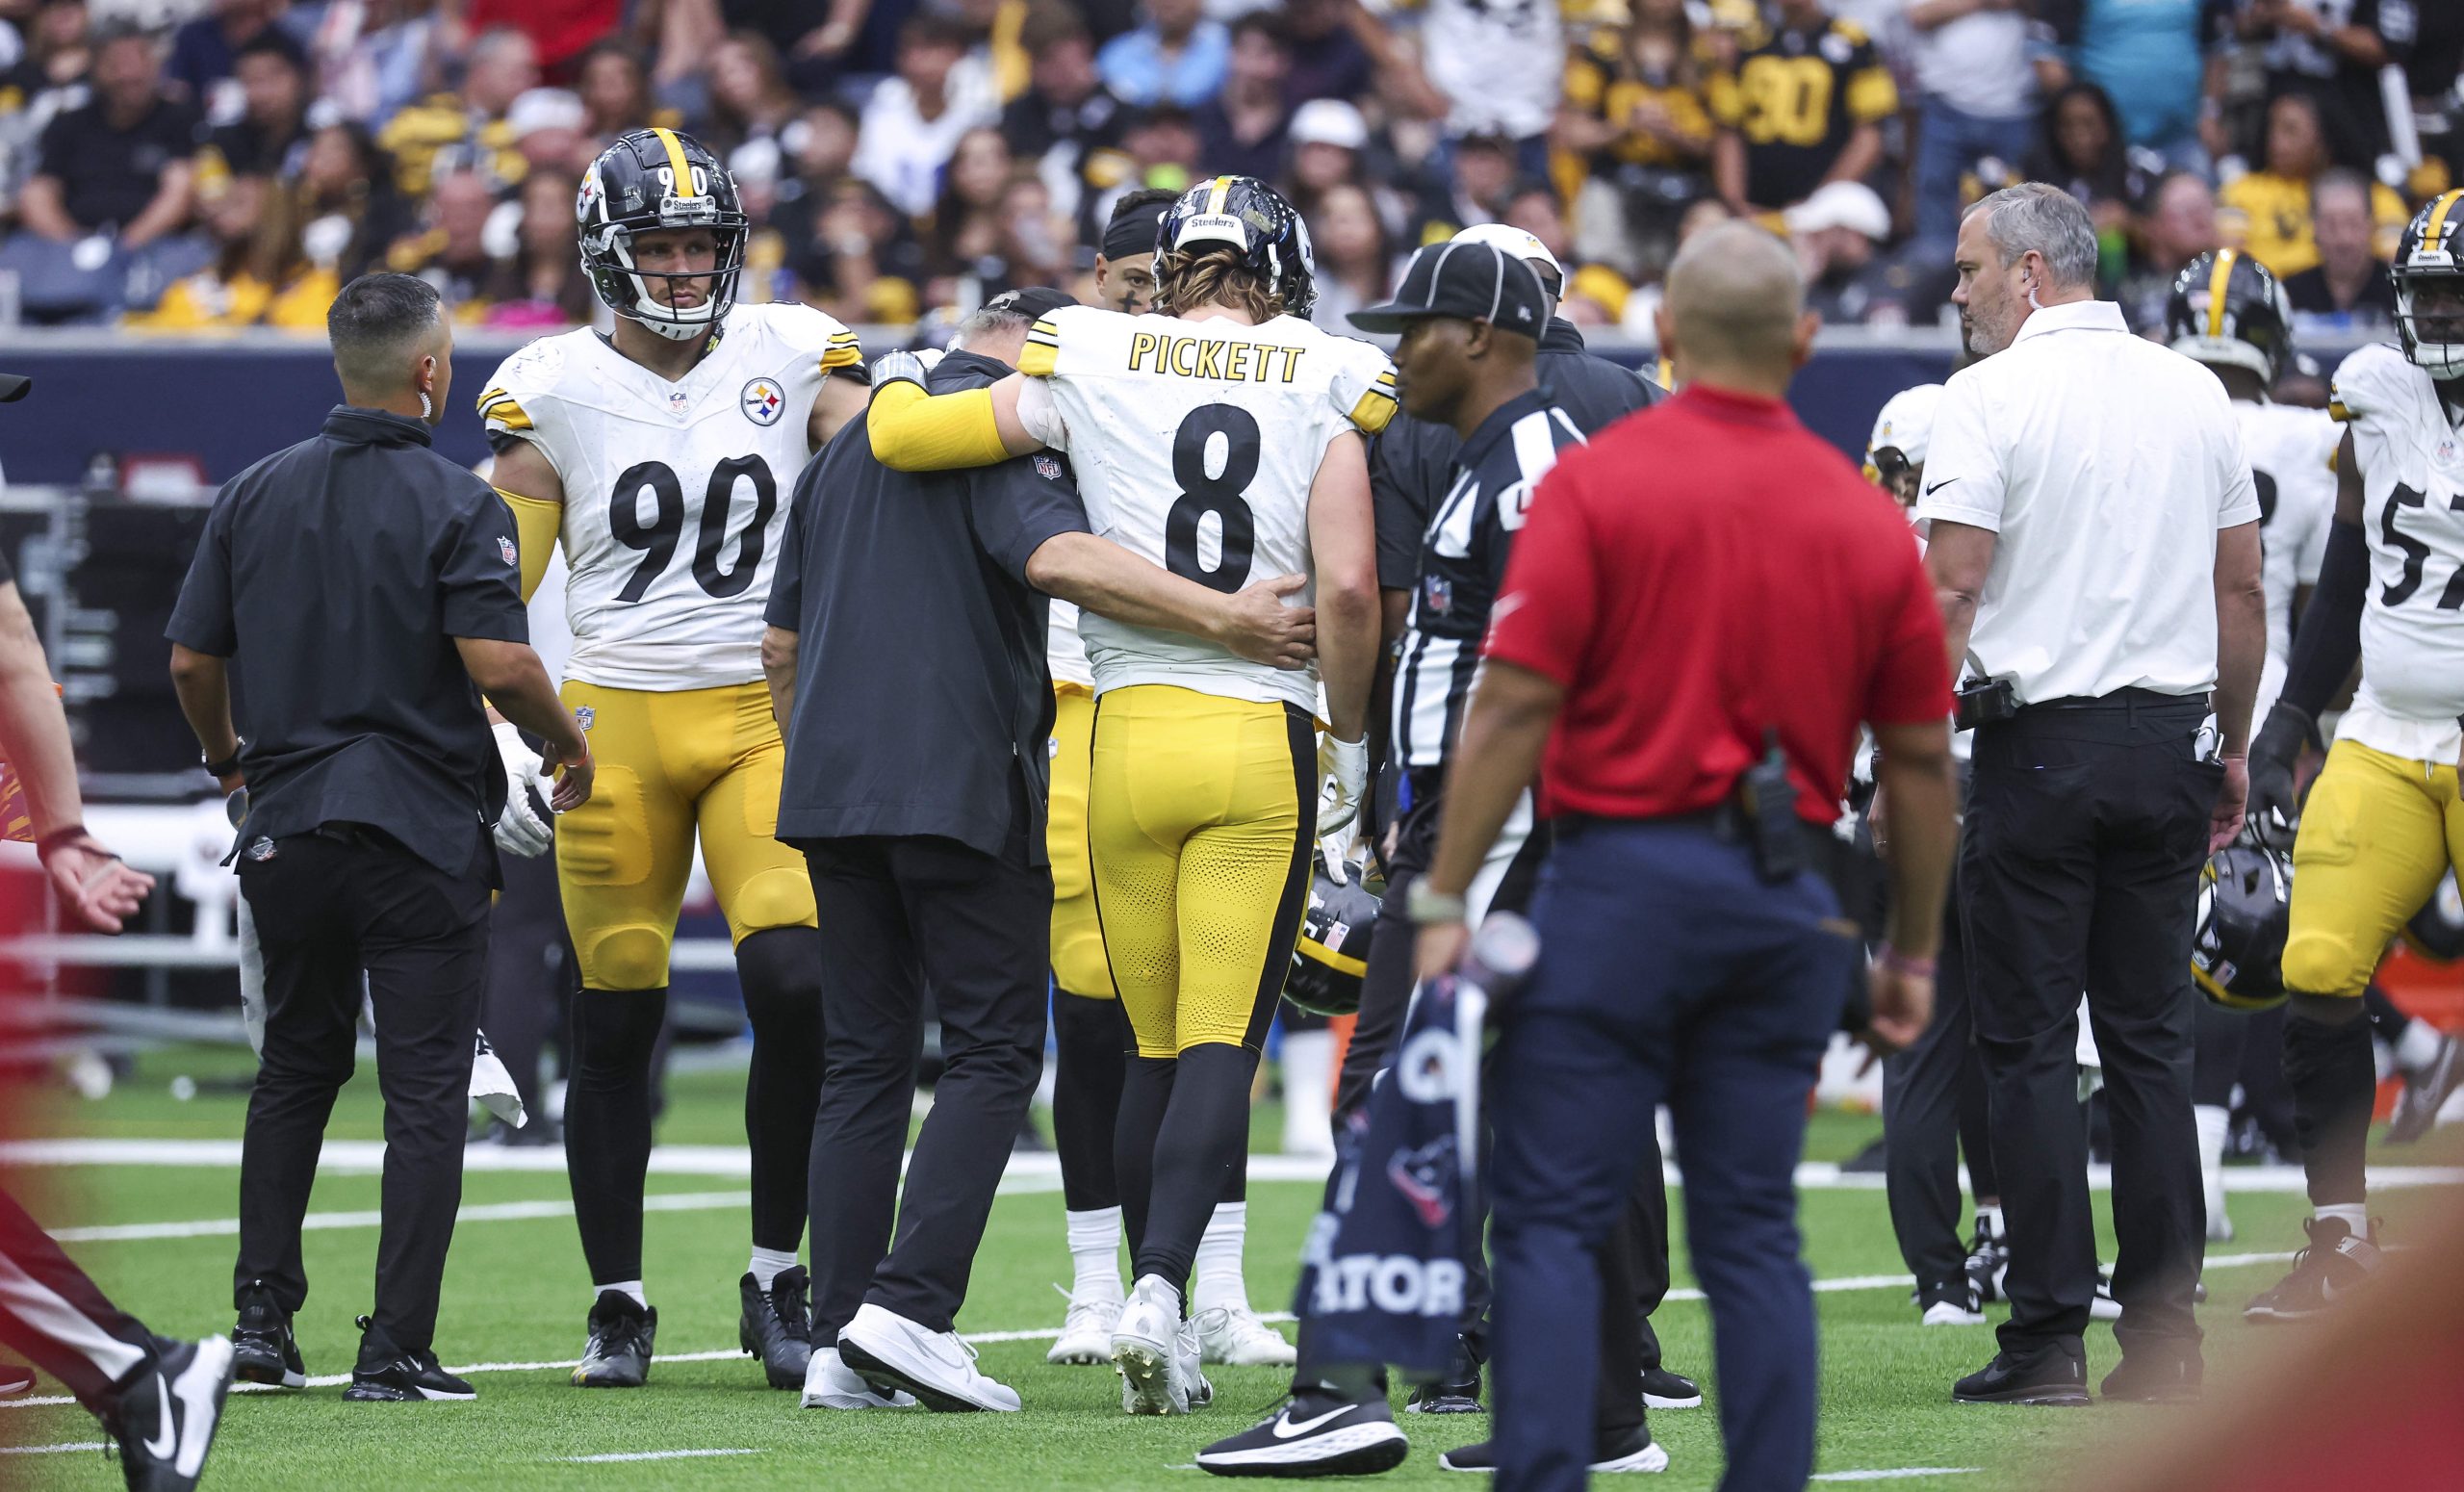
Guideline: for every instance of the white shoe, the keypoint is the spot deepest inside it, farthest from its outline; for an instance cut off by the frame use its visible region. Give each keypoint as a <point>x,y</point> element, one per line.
<point>1146,1347</point>
<point>1086,1331</point>
<point>1235,1337</point>
<point>831,1384</point>
<point>1951,1313</point>
<point>1187,1358</point>
<point>891,1352</point>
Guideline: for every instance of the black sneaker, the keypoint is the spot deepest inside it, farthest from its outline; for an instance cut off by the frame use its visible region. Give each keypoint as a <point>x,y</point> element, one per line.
<point>2153,1376</point>
<point>2336,1265</point>
<point>1316,1432</point>
<point>1462,1398</point>
<point>1632,1450</point>
<point>617,1354</point>
<point>776,1326</point>
<point>164,1414</point>
<point>1988,1259</point>
<point>262,1345</point>
<point>1666,1390</point>
<point>388,1373</point>
<point>2050,1376</point>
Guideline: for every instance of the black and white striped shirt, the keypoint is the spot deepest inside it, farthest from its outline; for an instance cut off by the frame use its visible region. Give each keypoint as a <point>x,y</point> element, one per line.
<point>1462,564</point>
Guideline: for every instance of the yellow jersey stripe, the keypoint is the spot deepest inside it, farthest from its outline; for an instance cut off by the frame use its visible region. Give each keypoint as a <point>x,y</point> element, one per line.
<point>1038,359</point>
<point>2337,412</point>
<point>1373,410</point>
<point>2433,235</point>
<point>507,414</point>
<point>2217,278</point>
<point>675,162</point>
<point>840,353</point>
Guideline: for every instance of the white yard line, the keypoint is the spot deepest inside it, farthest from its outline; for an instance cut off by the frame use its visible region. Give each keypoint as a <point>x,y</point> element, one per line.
<point>649,1456</point>
<point>1896,1473</point>
<point>73,1445</point>
<point>316,1222</point>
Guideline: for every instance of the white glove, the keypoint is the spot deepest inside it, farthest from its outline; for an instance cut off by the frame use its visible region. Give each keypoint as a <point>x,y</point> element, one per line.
<point>519,830</point>
<point>492,1085</point>
<point>1334,852</point>
<point>1343,766</point>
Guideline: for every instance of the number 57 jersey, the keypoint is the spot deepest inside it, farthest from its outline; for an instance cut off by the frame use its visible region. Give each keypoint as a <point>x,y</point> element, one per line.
<point>1195,445</point>
<point>2412,622</point>
<point>674,492</point>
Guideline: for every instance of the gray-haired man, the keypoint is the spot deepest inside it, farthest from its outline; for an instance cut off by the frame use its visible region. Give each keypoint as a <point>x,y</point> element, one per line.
<point>2095,547</point>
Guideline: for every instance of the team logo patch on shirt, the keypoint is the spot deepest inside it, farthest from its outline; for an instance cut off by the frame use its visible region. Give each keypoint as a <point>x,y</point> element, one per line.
<point>1048,468</point>
<point>762,402</point>
<point>505,547</point>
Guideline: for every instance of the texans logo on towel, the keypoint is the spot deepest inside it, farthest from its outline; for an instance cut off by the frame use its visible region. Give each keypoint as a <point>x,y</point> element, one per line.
<point>1426,1179</point>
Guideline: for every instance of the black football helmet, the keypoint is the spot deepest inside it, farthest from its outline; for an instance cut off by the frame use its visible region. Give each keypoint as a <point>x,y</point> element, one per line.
<point>2245,911</point>
<point>2429,286</point>
<point>647,181</point>
<point>1332,953</point>
<point>2436,932</point>
<point>2227,310</point>
<point>1253,218</point>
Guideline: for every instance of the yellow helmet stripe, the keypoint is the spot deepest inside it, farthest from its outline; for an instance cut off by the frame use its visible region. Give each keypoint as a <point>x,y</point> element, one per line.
<point>2217,278</point>
<point>676,163</point>
<point>2434,233</point>
<point>1222,190</point>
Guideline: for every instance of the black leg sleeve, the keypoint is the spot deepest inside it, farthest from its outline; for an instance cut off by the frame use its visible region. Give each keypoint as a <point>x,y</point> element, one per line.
<point>608,1124</point>
<point>1145,1094</point>
<point>2216,1066</point>
<point>779,968</point>
<point>2332,1075</point>
<point>2386,1021</point>
<point>1091,1040</point>
<point>1204,1137</point>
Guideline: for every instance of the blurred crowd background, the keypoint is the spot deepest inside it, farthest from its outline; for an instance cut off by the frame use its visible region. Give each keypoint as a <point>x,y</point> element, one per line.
<point>188,164</point>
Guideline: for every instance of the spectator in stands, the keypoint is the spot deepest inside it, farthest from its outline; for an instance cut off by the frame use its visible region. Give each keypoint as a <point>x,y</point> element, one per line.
<point>1037,242</point>
<point>261,275</point>
<point>1978,92</point>
<point>816,39</point>
<point>451,252</point>
<point>968,227</point>
<point>863,262</point>
<point>912,121</point>
<point>113,182</point>
<point>466,131</point>
<point>1160,147</point>
<point>559,31</point>
<point>2178,225</point>
<point>1328,60</point>
<point>205,52</point>
<point>1066,121</point>
<point>1501,70</point>
<point>1243,132</point>
<point>2268,213</point>
<point>1637,112</point>
<point>344,202</point>
<point>1355,261</point>
<point>750,107</point>
<point>2349,281</point>
<point>2151,58</point>
<point>821,148</point>
<point>2079,148</point>
<point>615,93</point>
<point>59,51</point>
<point>540,283</point>
<point>547,129</point>
<point>1595,294</point>
<point>2333,50</point>
<point>271,133</point>
<point>1479,175</point>
<point>1175,55</point>
<point>372,58</point>
<point>1836,233</point>
<point>1803,108</point>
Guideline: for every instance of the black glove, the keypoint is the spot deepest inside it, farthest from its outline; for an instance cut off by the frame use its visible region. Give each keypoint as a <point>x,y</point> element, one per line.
<point>2274,752</point>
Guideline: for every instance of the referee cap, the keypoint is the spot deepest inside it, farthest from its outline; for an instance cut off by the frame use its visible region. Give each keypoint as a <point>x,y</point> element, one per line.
<point>1471,282</point>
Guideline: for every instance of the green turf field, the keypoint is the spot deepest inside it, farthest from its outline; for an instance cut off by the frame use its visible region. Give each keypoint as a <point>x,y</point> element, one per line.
<point>516,1292</point>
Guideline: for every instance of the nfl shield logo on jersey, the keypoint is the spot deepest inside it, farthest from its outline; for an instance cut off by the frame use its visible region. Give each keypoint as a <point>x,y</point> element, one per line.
<point>584,715</point>
<point>763,401</point>
<point>679,404</point>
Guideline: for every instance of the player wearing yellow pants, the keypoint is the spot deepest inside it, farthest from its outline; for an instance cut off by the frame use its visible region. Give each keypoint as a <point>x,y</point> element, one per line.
<point>2379,833</point>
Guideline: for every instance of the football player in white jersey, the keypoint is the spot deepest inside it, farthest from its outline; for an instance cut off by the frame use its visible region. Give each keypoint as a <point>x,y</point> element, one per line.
<point>2382,825</point>
<point>1091,1035</point>
<point>1219,438</point>
<point>658,457</point>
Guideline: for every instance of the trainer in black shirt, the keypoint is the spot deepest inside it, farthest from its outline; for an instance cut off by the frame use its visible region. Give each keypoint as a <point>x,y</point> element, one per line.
<point>906,660</point>
<point>350,600</point>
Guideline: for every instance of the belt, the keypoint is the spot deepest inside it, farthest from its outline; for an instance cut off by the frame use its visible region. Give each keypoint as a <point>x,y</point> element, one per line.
<point>2119,699</point>
<point>1726,822</point>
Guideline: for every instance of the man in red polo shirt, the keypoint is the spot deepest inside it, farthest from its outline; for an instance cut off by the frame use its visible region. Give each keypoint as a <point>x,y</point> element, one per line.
<point>1703,606</point>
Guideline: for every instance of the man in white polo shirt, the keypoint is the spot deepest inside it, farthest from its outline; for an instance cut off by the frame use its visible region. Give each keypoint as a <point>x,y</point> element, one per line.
<point>2096,544</point>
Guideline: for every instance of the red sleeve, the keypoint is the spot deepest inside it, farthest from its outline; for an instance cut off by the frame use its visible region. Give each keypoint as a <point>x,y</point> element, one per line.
<point>1911,678</point>
<point>1544,615</point>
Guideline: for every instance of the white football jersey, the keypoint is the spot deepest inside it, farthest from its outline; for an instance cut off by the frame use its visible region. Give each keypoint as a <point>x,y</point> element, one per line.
<point>1195,445</point>
<point>676,494</point>
<point>2291,452</point>
<point>2412,623</point>
<point>1064,653</point>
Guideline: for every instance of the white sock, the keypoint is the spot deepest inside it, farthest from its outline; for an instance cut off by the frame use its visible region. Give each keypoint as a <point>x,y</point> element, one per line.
<point>1095,1253</point>
<point>1308,1099</point>
<point>768,1263</point>
<point>2417,1049</point>
<point>2354,1216</point>
<point>631,1287</point>
<point>1218,1259</point>
<point>2212,1121</point>
<point>1989,1218</point>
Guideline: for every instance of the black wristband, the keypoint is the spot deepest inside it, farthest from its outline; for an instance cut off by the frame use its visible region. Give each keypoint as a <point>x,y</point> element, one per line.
<point>227,765</point>
<point>58,839</point>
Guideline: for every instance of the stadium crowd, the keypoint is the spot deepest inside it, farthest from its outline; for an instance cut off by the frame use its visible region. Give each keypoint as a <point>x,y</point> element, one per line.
<point>173,165</point>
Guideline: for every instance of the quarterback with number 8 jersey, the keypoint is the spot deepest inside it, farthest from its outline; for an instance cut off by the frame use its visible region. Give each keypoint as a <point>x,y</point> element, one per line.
<point>2382,825</point>
<point>1222,439</point>
<point>659,457</point>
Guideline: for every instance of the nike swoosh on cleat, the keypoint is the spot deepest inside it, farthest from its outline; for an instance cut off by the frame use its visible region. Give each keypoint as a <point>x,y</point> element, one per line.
<point>1286,1427</point>
<point>169,1441</point>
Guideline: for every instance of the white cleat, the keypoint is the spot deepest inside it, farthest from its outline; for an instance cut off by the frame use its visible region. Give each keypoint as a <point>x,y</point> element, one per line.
<point>1236,1338</point>
<point>831,1384</point>
<point>1951,1313</point>
<point>1185,1359</point>
<point>891,1352</point>
<point>1085,1333</point>
<point>1146,1347</point>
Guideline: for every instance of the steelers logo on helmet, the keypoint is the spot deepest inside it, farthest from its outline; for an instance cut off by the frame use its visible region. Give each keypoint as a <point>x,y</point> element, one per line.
<point>659,181</point>
<point>2227,311</point>
<point>2244,913</point>
<point>1331,954</point>
<point>1255,221</point>
<point>2428,272</point>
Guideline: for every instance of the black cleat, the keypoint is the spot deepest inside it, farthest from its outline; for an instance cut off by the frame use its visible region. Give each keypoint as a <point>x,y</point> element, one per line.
<point>1666,1390</point>
<point>1627,1451</point>
<point>1446,1398</point>
<point>776,1326</point>
<point>261,1346</point>
<point>164,1414</point>
<point>2153,1376</point>
<point>618,1356</point>
<point>386,1374</point>
<point>1316,1432</point>
<point>2049,1376</point>
<point>2335,1266</point>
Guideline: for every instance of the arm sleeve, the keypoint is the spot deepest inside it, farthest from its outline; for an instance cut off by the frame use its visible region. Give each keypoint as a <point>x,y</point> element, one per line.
<point>785,608</point>
<point>1964,482</point>
<point>481,573</point>
<point>2328,641</point>
<point>916,431</point>
<point>1016,507</point>
<point>1910,683</point>
<point>1544,618</point>
<point>201,619</point>
<point>536,526</point>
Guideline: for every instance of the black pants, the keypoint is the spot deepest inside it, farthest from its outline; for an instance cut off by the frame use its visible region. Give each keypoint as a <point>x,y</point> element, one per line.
<point>1934,1107</point>
<point>59,1317</point>
<point>2079,870</point>
<point>898,914</point>
<point>328,905</point>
